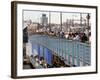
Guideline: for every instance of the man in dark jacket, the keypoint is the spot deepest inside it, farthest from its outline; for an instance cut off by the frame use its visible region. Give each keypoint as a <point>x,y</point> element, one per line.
<point>84,38</point>
<point>25,35</point>
<point>25,40</point>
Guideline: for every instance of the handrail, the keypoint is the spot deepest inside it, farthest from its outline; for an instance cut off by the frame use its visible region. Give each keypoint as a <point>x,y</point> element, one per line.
<point>61,46</point>
<point>54,37</point>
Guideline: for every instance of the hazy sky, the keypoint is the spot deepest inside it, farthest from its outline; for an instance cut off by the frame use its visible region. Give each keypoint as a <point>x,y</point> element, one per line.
<point>35,16</point>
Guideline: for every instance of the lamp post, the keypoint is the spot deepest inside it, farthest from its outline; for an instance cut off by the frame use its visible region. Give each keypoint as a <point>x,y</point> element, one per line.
<point>81,23</point>
<point>88,21</point>
<point>88,18</point>
<point>72,20</point>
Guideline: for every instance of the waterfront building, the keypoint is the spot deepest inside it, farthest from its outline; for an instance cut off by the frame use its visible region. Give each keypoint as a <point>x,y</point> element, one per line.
<point>44,20</point>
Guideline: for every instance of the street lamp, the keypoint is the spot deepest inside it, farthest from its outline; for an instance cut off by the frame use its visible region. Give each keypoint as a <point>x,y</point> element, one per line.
<point>88,18</point>
<point>88,21</point>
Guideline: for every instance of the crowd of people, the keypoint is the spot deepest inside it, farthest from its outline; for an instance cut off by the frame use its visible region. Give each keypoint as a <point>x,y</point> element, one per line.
<point>82,37</point>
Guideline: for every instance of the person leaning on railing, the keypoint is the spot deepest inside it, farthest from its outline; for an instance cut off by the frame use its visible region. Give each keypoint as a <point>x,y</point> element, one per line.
<point>84,38</point>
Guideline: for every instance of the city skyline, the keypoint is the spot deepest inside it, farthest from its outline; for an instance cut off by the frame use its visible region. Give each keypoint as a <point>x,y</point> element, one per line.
<point>55,17</point>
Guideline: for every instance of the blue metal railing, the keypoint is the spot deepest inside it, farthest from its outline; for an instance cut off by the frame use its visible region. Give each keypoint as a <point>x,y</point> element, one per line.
<point>74,53</point>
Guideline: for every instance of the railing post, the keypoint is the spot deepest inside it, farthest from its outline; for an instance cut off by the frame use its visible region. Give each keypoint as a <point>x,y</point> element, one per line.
<point>68,54</point>
<point>77,54</point>
<point>73,51</point>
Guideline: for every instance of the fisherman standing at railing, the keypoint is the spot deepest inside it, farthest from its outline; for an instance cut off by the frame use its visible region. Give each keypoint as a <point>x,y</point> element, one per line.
<point>25,35</point>
<point>76,37</point>
<point>90,37</point>
<point>25,40</point>
<point>84,38</point>
<point>25,44</point>
<point>62,34</point>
